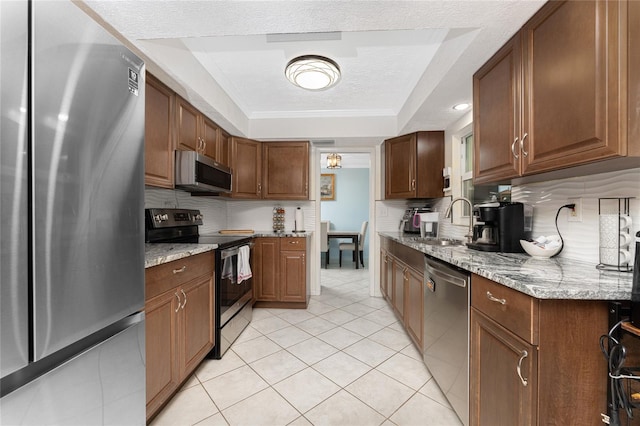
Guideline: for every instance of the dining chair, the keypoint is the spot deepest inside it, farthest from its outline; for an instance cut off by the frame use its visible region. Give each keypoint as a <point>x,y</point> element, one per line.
<point>352,247</point>
<point>324,241</point>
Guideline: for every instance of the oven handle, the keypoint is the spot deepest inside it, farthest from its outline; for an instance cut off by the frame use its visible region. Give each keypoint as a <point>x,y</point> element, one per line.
<point>233,251</point>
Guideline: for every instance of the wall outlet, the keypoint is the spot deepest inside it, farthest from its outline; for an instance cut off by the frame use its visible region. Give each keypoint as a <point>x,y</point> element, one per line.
<point>575,215</point>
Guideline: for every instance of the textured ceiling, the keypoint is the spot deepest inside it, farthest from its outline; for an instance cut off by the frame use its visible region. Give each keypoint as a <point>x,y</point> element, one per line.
<point>404,63</point>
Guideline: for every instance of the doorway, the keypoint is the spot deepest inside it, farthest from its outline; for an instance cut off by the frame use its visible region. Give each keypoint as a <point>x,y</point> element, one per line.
<point>349,206</point>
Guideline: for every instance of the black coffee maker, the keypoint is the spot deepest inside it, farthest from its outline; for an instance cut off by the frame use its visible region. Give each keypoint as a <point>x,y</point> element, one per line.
<point>500,226</point>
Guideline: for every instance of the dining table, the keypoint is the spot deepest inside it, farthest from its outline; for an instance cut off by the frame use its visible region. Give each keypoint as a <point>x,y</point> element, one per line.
<point>353,235</point>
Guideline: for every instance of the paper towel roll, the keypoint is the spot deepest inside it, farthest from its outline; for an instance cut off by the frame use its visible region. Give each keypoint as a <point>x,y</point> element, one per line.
<point>299,225</point>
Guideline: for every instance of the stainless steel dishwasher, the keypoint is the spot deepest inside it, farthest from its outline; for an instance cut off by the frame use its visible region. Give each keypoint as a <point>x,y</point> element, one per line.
<point>446,331</point>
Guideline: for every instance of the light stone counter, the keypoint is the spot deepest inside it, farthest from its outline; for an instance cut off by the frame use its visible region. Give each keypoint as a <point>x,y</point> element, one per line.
<point>157,254</point>
<point>554,278</point>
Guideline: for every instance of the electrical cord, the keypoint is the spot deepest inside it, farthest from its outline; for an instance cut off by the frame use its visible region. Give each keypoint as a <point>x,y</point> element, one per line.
<point>616,357</point>
<point>568,206</point>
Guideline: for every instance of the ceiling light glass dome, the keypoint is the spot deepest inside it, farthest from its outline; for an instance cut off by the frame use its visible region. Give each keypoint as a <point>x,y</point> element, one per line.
<point>312,72</point>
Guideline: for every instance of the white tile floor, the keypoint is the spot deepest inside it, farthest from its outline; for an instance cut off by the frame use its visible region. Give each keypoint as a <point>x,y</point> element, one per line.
<point>345,360</point>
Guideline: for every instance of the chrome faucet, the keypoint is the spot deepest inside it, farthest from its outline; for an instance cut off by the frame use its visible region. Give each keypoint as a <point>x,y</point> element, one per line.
<point>447,214</point>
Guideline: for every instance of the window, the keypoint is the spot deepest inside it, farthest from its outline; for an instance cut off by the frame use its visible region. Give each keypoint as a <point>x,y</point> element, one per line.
<point>466,171</point>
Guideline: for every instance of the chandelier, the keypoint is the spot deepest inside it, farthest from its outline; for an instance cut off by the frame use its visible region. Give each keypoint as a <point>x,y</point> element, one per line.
<point>334,161</point>
<point>312,72</point>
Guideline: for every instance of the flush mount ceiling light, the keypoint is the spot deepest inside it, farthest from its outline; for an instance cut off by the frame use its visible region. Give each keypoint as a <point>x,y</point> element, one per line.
<point>461,107</point>
<point>334,161</point>
<point>312,72</point>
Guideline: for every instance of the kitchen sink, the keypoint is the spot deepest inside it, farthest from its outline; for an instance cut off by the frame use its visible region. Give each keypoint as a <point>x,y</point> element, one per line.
<point>436,241</point>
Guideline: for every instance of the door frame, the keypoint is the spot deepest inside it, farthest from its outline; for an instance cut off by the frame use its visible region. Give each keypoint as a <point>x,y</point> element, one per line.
<point>316,171</point>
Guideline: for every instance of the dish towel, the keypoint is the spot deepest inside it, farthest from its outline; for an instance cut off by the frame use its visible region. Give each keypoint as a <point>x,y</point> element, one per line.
<point>227,269</point>
<point>244,269</point>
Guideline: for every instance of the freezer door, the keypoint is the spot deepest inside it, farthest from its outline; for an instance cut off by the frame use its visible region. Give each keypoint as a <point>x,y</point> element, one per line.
<point>103,386</point>
<point>88,195</point>
<point>13,187</point>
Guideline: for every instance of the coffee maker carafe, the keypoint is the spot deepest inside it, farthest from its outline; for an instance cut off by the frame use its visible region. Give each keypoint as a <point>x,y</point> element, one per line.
<point>500,226</point>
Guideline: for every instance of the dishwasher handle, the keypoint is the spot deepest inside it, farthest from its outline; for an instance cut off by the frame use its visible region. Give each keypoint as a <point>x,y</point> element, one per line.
<point>444,272</point>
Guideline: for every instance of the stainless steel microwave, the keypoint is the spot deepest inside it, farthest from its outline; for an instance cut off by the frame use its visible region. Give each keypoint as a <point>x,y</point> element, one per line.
<point>197,173</point>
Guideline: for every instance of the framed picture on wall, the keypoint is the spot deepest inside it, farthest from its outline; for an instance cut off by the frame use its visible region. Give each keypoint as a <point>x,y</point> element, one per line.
<point>327,186</point>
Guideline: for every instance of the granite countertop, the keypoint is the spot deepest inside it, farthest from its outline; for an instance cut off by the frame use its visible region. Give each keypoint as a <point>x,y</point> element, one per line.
<point>554,278</point>
<point>158,253</point>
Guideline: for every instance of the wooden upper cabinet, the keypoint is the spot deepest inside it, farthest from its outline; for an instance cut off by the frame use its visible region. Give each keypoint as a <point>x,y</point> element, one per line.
<point>413,165</point>
<point>246,165</point>
<point>285,170</point>
<point>555,95</point>
<point>224,148</point>
<point>187,118</point>
<point>496,95</point>
<point>158,141</point>
<point>571,85</point>
<point>400,160</point>
<point>195,132</point>
<point>209,135</point>
<point>270,170</point>
<point>633,76</point>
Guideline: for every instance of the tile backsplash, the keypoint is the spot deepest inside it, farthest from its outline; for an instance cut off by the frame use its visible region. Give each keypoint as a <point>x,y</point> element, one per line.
<point>581,239</point>
<point>231,214</point>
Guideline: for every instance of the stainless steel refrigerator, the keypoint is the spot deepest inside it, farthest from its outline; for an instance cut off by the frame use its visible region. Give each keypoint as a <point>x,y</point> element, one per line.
<point>72,224</point>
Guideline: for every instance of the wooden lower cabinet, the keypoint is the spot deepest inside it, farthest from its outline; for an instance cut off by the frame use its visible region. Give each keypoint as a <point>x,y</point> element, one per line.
<point>385,280</point>
<point>402,284</point>
<point>399,282</point>
<point>281,275</point>
<point>535,361</point>
<point>499,397</point>
<point>414,306</point>
<point>179,328</point>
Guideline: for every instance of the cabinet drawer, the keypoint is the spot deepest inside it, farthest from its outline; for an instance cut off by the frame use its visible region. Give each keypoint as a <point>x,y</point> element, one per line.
<point>513,310</point>
<point>293,243</point>
<point>161,278</point>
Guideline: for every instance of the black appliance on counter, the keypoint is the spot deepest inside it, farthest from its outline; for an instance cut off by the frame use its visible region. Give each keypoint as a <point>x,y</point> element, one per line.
<point>500,227</point>
<point>233,307</point>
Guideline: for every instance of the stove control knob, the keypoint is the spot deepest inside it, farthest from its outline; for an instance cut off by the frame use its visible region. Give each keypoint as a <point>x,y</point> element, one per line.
<point>160,218</point>
<point>197,217</point>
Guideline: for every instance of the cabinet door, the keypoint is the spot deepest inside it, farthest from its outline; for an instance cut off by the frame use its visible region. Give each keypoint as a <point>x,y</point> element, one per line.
<point>399,274</point>
<point>500,363</point>
<point>224,148</point>
<point>161,349</point>
<point>293,268</point>
<point>158,140</point>
<point>187,126</point>
<point>196,322</point>
<point>414,315</point>
<point>572,91</point>
<point>496,115</point>
<point>286,170</point>
<point>246,162</point>
<point>209,135</point>
<point>400,167</point>
<point>266,279</point>
<point>384,271</point>
<point>429,164</point>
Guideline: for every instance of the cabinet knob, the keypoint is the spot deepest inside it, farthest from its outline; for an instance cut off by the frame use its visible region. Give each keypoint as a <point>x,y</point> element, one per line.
<point>495,299</point>
<point>524,153</point>
<point>185,299</point>
<point>179,302</point>
<point>513,146</point>
<point>519,369</point>
<point>178,271</point>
